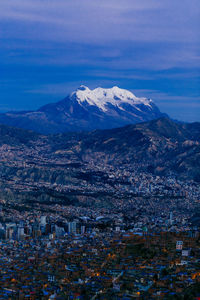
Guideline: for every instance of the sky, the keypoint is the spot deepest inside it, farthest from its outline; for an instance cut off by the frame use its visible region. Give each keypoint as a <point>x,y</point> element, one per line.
<point>49,48</point>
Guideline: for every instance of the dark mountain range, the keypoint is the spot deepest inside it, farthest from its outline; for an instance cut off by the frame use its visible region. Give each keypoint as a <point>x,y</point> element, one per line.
<point>160,146</point>
<point>87,167</point>
<point>87,110</point>
<point>15,136</point>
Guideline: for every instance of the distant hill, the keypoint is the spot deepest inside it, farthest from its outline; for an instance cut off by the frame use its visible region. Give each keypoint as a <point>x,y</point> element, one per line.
<point>159,146</point>
<point>15,136</point>
<point>75,167</point>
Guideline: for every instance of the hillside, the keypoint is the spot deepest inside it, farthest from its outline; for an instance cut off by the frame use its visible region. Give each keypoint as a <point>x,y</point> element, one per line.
<point>97,167</point>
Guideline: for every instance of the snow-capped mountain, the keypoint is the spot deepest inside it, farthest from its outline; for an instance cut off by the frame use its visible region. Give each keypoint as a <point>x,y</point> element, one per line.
<point>102,98</point>
<point>86,109</point>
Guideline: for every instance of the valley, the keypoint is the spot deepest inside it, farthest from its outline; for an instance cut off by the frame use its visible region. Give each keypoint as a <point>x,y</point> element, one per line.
<point>137,166</point>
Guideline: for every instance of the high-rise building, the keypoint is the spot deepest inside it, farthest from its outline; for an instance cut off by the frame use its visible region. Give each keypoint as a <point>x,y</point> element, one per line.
<point>10,230</point>
<point>59,231</point>
<point>20,232</point>
<point>82,229</point>
<point>43,220</point>
<point>9,233</point>
<point>72,227</point>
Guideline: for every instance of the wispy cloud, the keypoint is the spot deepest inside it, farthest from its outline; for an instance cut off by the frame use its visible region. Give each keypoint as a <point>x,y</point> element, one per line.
<point>49,47</point>
<point>98,21</point>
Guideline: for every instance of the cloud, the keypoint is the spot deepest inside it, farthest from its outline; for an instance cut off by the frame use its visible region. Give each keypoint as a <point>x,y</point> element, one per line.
<point>100,21</point>
<point>147,45</point>
<point>126,34</point>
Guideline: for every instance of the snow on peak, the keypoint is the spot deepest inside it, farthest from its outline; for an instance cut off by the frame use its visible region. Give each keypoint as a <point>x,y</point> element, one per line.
<point>102,97</point>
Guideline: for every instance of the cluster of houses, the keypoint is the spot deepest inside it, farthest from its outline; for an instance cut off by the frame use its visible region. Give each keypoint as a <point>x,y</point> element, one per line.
<point>46,258</point>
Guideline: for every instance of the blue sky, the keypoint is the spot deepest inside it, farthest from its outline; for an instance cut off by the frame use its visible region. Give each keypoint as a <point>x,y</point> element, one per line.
<point>48,48</point>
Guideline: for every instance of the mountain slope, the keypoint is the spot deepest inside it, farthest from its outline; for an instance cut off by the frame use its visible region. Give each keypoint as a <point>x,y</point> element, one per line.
<point>86,109</point>
<point>160,146</point>
<point>91,165</point>
<point>14,136</point>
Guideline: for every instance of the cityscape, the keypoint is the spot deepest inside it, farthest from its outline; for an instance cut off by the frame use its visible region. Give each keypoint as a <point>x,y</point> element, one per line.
<point>89,256</point>
<point>99,150</point>
<point>117,234</point>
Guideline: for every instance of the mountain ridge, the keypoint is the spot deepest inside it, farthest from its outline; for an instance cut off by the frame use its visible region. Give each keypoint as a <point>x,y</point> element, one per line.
<point>87,110</point>
<point>159,147</point>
